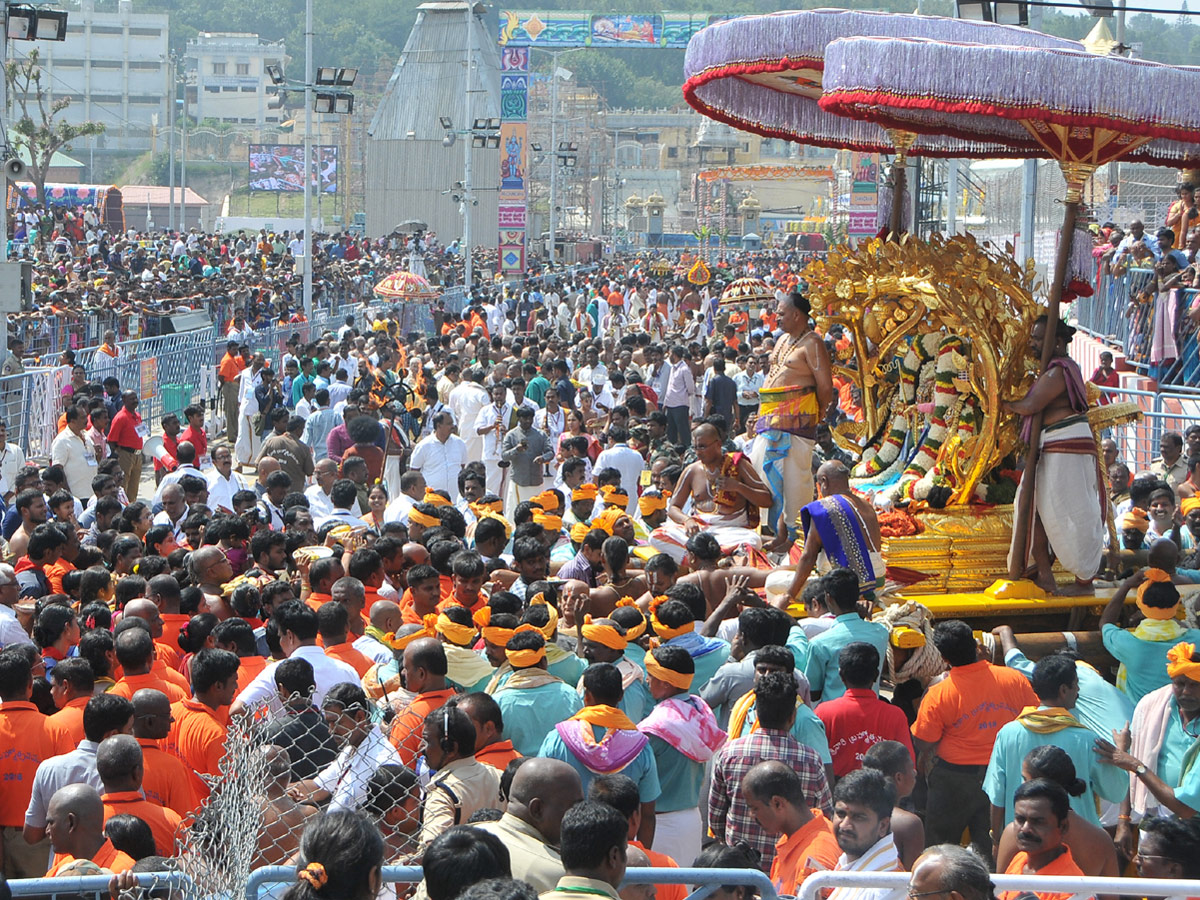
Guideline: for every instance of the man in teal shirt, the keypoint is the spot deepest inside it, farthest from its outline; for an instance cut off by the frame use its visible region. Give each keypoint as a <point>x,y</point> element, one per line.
<point>674,622</point>
<point>602,740</point>
<point>605,641</point>
<point>841,597</point>
<point>532,701</point>
<point>1057,686</point>
<point>537,384</point>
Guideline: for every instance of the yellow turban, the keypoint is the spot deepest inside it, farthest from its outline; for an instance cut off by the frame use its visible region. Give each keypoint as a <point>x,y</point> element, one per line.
<point>608,519</point>
<point>493,634</point>
<point>586,491</point>
<point>552,623</point>
<point>579,531</point>
<point>463,635</point>
<point>435,499</point>
<point>549,521</point>
<point>523,659</point>
<point>666,632</point>
<point>488,514</point>
<point>1191,503</point>
<point>547,500</point>
<point>655,669</point>
<point>603,634</point>
<point>496,506</point>
<point>399,643</point>
<point>1155,576</point>
<point>651,504</point>
<point>415,515</point>
<point>1135,520</point>
<point>614,496</point>
<point>1180,662</point>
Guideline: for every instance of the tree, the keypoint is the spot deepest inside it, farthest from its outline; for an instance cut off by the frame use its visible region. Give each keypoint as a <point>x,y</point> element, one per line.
<point>37,129</point>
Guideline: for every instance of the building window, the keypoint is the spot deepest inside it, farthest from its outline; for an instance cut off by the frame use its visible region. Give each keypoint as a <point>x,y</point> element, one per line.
<point>230,89</point>
<point>243,68</point>
<point>672,153</point>
<point>212,88</point>
<point>249,90</point>
<point>218,68</point>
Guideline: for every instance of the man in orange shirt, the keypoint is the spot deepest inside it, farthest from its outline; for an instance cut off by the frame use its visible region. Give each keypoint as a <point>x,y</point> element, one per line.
<point>135,653</point>
<point>424,672</point>
<point>237,636</point>
<point>332,619</point>
<point>228,371</point>
<point>163,591</point>
<point>198,735</point>
<point>119,764</point>
<point>75,823</point>
<point>958,721</point>
<point>621,793</point>
<point>71,687</point>
<point>484,713</point>
<point>321,576</point>
<point>1042,814</point>
<point>774,795</point>
<point>367,566</point>
<point>164,652</point>
<point>26,738</point>
<point>165,779</point>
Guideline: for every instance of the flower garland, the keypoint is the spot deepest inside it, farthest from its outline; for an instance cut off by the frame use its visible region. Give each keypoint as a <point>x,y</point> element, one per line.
<point>878,461</point>
<point>945,397</point>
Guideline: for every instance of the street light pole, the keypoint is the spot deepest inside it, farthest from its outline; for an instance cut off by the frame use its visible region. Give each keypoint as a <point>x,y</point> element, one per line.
<point>183,149</point>
<point>554,160</point>
<point>468,196</point>
<point>171,136</point>
<point>308,160</point>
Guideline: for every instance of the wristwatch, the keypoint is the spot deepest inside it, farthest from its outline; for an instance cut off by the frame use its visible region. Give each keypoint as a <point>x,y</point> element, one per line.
<point>1140,770</point>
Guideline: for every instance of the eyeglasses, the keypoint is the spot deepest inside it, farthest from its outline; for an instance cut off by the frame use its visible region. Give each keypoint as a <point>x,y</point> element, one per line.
<point>1139,856</point>
<point>913,895</point>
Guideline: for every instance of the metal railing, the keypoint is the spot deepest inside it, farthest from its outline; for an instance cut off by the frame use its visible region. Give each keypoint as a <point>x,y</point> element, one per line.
<point>706,880</point>
<point>1074,886</point>
<point>1111,317</point>
<point>85,885</point>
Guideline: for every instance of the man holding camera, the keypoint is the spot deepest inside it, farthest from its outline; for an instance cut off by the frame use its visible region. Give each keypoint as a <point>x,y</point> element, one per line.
<point>527,450</point>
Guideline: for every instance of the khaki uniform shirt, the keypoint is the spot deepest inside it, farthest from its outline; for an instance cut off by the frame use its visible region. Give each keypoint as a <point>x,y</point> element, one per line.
<point>532,859</point>
<point>455,793</point>
<point>573,887</point>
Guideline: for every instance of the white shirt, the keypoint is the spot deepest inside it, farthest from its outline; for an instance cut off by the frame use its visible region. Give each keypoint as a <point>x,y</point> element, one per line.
<point>173,477</point>
<point>440,462</point>
<point>12,460</point>
<point>321,506</point>
<point>11,632</point>
<point>327,672</point>
<point>553,424</point>
<point>487,418</point>
<point>339,517</point>
<point>164,518</point>
<point>76,767</point>
<point>397,510</point>
<point>629,463</point>
<point>881,857</point>
<point>347,776</point>
<point>222,489</point>
<point>78,460</point>
<point>305,408</point>
<point>466,400</point>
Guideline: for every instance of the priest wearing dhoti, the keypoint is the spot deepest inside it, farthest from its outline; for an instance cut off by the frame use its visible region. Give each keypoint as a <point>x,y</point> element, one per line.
<point>794,398</point>
<point>1070,509</point>
<point>726,493</point>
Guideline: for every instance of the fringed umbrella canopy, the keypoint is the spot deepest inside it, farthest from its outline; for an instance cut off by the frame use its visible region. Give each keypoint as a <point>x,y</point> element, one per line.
<point>406,286</point>
<point>1061,99</point>
<point>746,292</point>
<point>1053,103</point>
<point>763,74</point>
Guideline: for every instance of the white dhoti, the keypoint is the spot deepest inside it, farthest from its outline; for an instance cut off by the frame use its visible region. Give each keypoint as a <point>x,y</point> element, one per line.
<point>1067,496</point>
<point>493,476</point>
<point>789,475</point>
<point>391,476</point>
<point>518,493</point>
<point>679,835</point>
<point>731,531</point>
<point>249,444</point>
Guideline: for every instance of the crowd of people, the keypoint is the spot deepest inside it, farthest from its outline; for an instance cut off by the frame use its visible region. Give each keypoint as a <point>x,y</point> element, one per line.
<point>493,600</point>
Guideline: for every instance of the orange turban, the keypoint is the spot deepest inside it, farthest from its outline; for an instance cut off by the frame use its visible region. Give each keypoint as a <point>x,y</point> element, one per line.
<point>1180,661</point>
<point>1155,576</point>
<point>547,500</point>
<point>586,491</point>
<point>433,498</point>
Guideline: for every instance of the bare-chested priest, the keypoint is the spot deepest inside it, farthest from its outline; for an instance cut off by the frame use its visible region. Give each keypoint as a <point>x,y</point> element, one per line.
<point>727,493</point>
<point>796,394</point>
<point>1070,515</point>
<point>843,527</point>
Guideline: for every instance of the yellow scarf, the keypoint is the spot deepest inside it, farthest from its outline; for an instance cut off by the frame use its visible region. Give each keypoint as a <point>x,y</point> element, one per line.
<point>606,717</point>
<point>1156,630</point>
<point>1048,720</point>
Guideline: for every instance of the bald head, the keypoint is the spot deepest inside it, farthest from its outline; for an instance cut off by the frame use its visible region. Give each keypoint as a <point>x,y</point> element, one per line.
<point>147,611</point>
<point>74,819</point>
<point>416,554</point>
<point>119,763</point>
<point>151,714</point>
<point>385,615</point>
<point>542,791</point>
<point>324,468</point>
<point>266,466</point>
<point>835,475</point>
<point>705,431</point>
<point>279,766</point>
<point>202,560</point>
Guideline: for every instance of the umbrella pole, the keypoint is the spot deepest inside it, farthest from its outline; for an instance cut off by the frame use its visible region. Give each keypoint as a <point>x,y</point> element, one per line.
<point>903,141</point>
<point>1026,510</point>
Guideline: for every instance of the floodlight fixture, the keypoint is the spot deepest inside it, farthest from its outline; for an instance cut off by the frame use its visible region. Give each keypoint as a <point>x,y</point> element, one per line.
<point>275,73</point>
